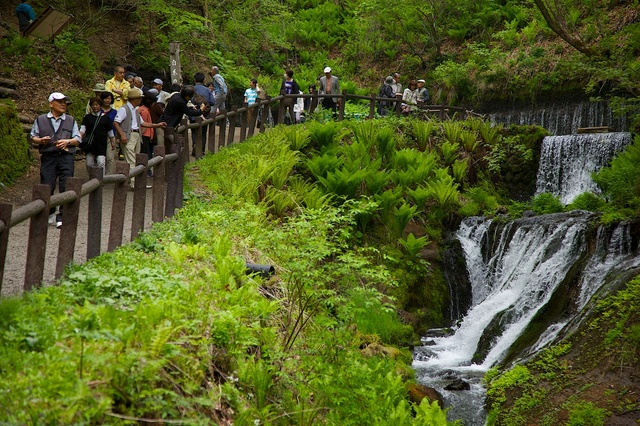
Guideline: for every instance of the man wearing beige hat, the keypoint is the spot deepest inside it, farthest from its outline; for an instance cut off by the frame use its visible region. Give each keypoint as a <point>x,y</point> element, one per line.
<point>57,135</point>
<point>127,124</point>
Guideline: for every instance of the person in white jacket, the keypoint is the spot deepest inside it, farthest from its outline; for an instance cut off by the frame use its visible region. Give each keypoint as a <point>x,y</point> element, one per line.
<point>298,109</point>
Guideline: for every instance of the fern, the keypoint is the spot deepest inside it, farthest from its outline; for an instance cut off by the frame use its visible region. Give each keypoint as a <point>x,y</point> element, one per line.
<point>413,245</point>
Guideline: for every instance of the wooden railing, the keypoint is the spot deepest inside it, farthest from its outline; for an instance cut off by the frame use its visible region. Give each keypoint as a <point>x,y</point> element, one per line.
<point>167,188</point>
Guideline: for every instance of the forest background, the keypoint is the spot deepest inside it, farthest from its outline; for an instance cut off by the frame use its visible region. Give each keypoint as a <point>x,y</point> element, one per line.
<point>485,54</point>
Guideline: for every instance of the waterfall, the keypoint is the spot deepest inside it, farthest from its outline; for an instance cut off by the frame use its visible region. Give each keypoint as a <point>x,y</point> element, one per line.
<point>515,269</point>
<point>564,119</point>
<point>566,162</point>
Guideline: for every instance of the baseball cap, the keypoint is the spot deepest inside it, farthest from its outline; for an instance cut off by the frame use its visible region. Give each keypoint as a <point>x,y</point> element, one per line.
<point>57,96</point>
<point>327,69</point>
<point>158,81</point>
<point>421,81</point>
<point>153,91</point>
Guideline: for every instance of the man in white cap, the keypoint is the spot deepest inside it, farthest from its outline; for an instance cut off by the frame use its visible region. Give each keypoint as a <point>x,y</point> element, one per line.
<point>422,93</point>
<point>163,96</point>
<point>57,135</point>
<point>329,84</point>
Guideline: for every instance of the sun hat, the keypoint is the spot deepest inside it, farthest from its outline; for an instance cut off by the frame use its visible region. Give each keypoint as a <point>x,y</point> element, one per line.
<point>421,81</point>
<point>57,96</point>
<point>99,87</point>
<point>134,93</point>
<point>158,81</point>
<point>389,80</point>
<point>327,69</point>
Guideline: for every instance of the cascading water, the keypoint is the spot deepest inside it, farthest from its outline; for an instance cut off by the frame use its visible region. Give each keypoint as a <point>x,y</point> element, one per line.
<point>514,270</point>
<point>566,162</point>
<point>564,119</point>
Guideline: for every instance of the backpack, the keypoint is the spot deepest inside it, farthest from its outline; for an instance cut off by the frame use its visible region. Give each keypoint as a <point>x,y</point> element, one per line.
<point>198,100</point>
<point>385,92</point>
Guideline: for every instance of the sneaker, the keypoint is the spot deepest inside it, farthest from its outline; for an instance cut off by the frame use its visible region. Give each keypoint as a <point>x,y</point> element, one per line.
<point>59,224</point>
<point>52,219</point>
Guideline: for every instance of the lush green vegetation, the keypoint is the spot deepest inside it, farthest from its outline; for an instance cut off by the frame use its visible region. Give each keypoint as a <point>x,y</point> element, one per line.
<point>13,144</point>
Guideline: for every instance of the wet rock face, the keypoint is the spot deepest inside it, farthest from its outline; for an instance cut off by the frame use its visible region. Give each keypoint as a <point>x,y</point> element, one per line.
<point>455,272</point>
<point>458,385</point>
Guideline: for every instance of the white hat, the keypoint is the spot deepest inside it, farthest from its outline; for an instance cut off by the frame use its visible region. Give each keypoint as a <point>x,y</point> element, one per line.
<point>57,96</point>
<point>153,91</point>
<point>327,69</point>
<point>158,81</point>
<point>421,81</point>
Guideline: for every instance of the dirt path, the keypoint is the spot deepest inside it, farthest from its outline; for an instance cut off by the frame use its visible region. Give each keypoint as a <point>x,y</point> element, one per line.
<point>20,194</point>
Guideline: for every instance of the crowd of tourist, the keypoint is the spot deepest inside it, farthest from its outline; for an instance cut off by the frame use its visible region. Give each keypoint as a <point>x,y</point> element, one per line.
<point>124,117</point>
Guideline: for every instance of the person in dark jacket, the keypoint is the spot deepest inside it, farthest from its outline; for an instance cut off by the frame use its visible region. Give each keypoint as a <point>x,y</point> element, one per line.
<point>177,107</point>
<point>98,128</point>
<point>25,15</point>
<point>386,91</point>
<point>290,87</point>
<point>57,136</point>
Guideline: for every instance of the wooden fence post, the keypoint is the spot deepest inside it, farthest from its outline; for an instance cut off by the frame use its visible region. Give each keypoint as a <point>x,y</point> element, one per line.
<point>252,116</point>
<point>265,113</point>
<point>37,245</point>
<point>372,107</point>
<point>232,127</point>
<point>180,141</point>
<point>196,137</point>
<point>5,218</point>
<point>343,101</point>
<point>94,222</point>
<point>67,244</point>
<point>139,197</point>
<point>314,103</point>
<point>118,207</point>
<point>282,109</point>
<point>211,136</point>
<point>223,129</point>
<point>398,104</point>
<point>159,186</point>
<point>244,121</point>
<point>171,176</point>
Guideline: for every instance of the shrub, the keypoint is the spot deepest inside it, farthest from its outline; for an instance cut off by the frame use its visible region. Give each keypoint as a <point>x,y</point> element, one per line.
<point>15,156</point>
<point>587,201</point>
<point>621,181</point>
<point>546,203</point>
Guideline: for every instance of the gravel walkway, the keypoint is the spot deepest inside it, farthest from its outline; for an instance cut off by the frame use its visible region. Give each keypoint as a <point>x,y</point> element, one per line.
<point>15,264</point>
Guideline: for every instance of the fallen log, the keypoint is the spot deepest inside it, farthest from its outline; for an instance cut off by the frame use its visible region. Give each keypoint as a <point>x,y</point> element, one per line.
<point>6,92</point>
<point>600,129</point>
<point>25,118</point>
<point>7,82</point>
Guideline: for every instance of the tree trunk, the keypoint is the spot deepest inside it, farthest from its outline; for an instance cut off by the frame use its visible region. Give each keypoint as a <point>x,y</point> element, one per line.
<point>559,26</point>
